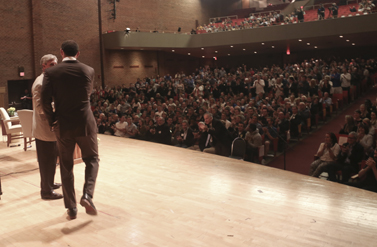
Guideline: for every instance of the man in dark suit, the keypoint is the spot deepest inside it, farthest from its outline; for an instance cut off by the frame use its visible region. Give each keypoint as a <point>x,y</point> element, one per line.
<point>69,85</point>
<point>186,137</point>
<point>351,154</point>
<point>221,138</point>
<point>161,133</point>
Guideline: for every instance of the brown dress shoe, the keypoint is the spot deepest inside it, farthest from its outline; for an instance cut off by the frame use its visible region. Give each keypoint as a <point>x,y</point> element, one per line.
<point>72,213</point>
<point>52,196</point>
<point>87,203</point>
<point>56,186</point>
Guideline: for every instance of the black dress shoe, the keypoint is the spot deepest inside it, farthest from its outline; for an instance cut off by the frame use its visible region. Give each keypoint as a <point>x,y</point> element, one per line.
<point>52,196</point>
<point>56,186</point>
<point>87,203</point>
<point>72,213</point>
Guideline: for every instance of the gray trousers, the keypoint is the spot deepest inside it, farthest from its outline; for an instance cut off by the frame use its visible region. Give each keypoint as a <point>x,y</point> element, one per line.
<point>319,166</point>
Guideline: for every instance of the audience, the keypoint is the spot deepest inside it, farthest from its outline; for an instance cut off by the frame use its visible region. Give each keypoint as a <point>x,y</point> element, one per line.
<point>207,109</point>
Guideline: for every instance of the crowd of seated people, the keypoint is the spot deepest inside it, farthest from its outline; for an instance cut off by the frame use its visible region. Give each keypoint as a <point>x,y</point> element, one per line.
<point>364,7</point>
<point>254,21</point>
<point>357,156</point>
<point>258,105</point>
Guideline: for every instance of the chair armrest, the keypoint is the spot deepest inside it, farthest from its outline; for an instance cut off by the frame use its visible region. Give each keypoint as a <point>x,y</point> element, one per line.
<point>12,119</point>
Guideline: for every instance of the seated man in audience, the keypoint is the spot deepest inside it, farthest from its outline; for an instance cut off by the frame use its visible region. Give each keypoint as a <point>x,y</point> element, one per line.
<point>131,129</point>
<point>270,133</point>
<point>186,137</point>
<point>326,100</point>
<point>304,112</point>
<point>357,117</point>
<point>368,175</point>
<point>161,133</point>
<point>283,126</point>
<point>240,131</point>
<point>120,127</point>
<point>254,141</point>
<point>353,9</point>
<point>351,154</point>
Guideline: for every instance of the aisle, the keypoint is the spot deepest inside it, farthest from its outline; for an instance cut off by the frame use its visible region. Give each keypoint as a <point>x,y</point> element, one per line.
<point>299,157</point>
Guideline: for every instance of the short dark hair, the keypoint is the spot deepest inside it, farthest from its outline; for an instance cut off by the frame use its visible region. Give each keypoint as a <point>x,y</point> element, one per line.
<point>70,48</point>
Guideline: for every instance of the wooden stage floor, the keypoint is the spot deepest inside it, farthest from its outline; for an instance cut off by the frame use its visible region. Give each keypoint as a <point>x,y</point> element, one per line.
<point>154,195</point>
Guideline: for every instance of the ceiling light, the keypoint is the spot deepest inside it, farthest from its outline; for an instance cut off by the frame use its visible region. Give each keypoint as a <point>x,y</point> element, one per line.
<point>202,48</point>
<point>347,40</point>
<point>341,36</point>
<point>255,52</point>
<point>231,46</point>
<point>308,43</point>
<point>353,43</point>
<point>300,40</point>
<point>315,47</point>
<point>262,43</point>
<point>203,56</point>
<point>216,51</point>
<point>272,47</point>
<point>173,50</point>
<point>189,54</point>
<point>228,54</point>
<point>244,49</point>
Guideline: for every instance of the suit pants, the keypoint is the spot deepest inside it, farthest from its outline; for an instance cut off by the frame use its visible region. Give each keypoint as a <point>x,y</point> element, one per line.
<point>89,150</point>
<point>46,155</point>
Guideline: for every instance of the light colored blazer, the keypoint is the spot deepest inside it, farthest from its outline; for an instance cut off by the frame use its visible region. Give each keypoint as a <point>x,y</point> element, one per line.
<point>41,128</point>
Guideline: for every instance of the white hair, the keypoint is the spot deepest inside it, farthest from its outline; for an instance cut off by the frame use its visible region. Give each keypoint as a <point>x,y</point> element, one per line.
<point>47,58</point>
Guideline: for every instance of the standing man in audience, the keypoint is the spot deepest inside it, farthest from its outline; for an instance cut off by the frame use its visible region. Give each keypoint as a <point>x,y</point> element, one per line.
<point>69,85</point>
<point>259,85</point>
<point>220,136</point>
<point>321,12</point>
<point>45,140</point>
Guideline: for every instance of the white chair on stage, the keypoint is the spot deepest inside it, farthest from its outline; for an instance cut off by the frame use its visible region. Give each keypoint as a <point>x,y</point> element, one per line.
<point>26,120</point>
<point>13,131</point>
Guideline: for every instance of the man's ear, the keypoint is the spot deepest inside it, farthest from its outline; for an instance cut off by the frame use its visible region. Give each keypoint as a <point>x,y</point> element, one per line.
<point>78,54</point>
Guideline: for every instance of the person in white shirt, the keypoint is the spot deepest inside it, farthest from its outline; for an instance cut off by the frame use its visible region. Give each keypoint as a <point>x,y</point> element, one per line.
<point>131,129</point>
<point>258,85</point>
<point>327,154</point>
<point>345,79</point>
<point>120,127</point>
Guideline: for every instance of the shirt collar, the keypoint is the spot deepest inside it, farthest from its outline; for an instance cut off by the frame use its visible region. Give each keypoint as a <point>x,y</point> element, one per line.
<point>69,58</point>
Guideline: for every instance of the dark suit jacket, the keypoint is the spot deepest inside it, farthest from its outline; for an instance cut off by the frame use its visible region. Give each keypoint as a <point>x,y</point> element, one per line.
<point>69,84</point>
<point>220,134</point>
<point>189,141</point>
<point>162,134</point>
<point>355,157</point>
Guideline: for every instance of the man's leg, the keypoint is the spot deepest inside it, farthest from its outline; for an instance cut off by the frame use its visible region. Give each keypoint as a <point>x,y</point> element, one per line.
<point>47,155</point>
<point>89,150</point>
<point>66,147</point>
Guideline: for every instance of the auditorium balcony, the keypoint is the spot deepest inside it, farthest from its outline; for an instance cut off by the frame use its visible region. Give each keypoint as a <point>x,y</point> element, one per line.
<point>326,34</point>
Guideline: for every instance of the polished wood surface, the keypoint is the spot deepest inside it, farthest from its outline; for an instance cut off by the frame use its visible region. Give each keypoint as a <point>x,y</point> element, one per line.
<point>154,195</point>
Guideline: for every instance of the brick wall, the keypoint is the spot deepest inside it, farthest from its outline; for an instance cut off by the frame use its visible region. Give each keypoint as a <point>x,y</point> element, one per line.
<point>33,28</point>
<point>16,47</point>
